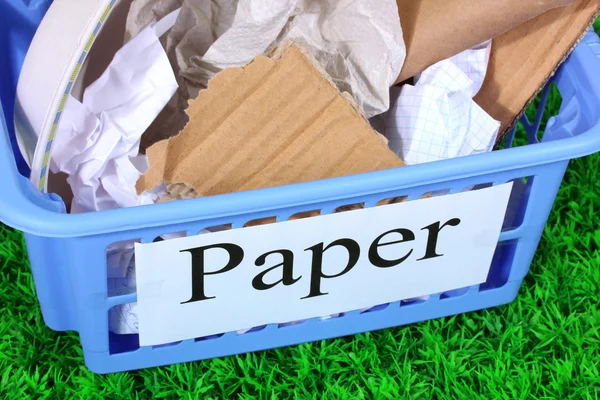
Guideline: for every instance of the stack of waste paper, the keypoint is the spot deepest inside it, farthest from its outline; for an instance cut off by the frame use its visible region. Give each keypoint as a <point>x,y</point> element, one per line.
<point>211,97</point>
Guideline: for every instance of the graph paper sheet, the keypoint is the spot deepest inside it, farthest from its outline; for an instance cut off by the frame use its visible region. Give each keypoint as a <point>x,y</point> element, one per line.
<point>436,118</point>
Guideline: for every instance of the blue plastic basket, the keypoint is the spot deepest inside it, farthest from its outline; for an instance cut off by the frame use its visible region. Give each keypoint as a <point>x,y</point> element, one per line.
<point>68,252</point>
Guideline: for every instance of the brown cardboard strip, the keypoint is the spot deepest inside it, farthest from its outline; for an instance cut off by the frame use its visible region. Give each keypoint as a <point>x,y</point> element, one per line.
<point>435,30</point>
<point>524,59</point>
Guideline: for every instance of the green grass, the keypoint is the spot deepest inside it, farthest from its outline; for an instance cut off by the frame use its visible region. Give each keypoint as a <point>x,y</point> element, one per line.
<point>543,346</point>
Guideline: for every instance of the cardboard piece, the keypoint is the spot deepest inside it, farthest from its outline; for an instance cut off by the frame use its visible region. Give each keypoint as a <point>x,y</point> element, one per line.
<point>524,59</point>
<point>279,120</point>
<point>435,30</point>
<point>531,40</point>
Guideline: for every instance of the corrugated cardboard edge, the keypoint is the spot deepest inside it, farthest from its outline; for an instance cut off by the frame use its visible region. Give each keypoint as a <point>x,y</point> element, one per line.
<point>565,56</point>
<point>183,191</point>
<point>279,51</point>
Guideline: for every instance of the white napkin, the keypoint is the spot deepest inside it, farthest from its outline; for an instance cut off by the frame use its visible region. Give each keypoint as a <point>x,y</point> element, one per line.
<point>437,118</point>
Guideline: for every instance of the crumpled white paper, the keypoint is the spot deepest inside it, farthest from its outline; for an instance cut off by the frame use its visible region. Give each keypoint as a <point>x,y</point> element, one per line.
<point>120,260</point>
<point>97,144</point>
<point>97,141</point>
<point>123,319</point>
<point>436,118</point>
<point>358,42</point>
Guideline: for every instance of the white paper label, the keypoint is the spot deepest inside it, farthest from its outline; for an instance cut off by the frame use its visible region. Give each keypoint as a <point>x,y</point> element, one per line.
<point>242,278</point>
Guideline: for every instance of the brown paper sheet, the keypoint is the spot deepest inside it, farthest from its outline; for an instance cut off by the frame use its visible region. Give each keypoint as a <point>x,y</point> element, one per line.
<point>524,59</point>
<point>435,30</point>
<point>277,121</point>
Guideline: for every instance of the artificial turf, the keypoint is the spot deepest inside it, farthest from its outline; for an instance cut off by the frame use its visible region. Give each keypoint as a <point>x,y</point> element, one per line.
<point>544,345</point>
